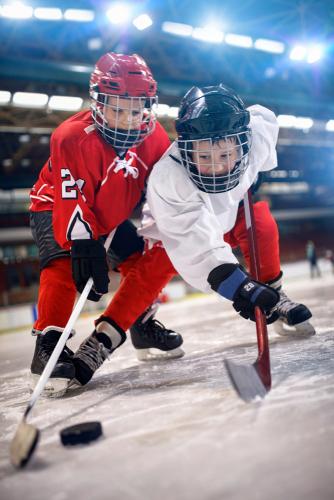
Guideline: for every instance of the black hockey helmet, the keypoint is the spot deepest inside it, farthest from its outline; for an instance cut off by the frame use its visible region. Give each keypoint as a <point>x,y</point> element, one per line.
<point>211,110</point>
<point>211,114</point>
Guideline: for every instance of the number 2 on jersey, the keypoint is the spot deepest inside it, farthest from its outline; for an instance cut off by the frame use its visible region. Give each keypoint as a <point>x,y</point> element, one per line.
<point>68,185</point>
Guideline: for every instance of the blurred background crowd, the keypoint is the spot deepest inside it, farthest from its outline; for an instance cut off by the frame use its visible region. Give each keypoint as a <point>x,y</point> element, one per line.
<point>279,54</point>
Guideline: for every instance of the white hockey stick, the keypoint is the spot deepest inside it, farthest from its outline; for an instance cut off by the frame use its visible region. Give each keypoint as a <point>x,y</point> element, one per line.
<point>26,436</point>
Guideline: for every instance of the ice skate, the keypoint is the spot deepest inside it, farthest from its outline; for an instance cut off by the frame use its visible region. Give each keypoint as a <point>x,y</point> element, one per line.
<point>152,340</point>
<point>93,351</point>
<point>64,370</point>
<point>293,318</point>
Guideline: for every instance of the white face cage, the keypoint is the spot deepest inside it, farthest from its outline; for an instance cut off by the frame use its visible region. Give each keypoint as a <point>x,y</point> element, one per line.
<point>216,165</point>
<point>123,122</point>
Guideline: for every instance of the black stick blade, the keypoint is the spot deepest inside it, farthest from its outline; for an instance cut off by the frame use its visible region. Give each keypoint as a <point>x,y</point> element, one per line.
<point>245,380</point>
<point>23,444</point>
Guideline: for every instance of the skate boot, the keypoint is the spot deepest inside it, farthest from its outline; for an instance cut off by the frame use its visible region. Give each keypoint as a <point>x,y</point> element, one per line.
<point>63,371</point>
<point>293,317</point>
<point>93,351</point>
<point>148,333</point>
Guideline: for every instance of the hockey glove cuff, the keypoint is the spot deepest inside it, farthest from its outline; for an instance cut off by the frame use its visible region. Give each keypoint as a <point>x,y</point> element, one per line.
<point>89,260</point>
<point>233,283</point>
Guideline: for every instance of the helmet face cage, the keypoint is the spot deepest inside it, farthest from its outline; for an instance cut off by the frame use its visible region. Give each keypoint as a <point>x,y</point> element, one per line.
<point>216,164</point>
<point>136,123</point>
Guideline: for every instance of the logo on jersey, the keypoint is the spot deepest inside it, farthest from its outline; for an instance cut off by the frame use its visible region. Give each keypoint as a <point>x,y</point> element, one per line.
<point>78,228</point>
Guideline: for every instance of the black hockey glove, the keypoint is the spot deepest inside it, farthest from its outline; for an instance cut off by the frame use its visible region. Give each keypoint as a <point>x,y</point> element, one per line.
<point>231,281</point>
<point>89,260</point>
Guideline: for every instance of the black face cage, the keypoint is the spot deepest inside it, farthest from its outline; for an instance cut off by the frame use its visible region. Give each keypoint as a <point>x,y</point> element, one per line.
<point>140,125</point>
<point>235,163</point>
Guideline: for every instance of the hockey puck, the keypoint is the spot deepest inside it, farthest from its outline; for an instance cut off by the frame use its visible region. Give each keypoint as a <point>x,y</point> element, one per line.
<point>81,433</point>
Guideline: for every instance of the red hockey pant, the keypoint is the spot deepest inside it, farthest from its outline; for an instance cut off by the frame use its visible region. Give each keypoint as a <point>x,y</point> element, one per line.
<point>143,278</point>
<point>145,275</point>
<point>267,240</point>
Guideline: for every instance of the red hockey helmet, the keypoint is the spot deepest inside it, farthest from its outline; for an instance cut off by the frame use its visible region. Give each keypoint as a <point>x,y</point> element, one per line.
<point>119,79</point>
<point>119,74</point>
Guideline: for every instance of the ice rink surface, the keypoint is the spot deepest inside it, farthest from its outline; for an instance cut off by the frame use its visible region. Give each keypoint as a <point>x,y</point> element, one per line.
<point>176,429</point>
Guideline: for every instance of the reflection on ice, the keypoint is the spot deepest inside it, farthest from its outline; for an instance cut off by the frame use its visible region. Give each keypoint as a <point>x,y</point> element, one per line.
<point>176,429</point>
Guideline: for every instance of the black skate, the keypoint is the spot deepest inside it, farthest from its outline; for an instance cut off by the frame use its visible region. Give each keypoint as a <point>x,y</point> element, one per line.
<point>93,351</point>
<point>293,318</point>
<point>64,370</point>
<point>148,333</point>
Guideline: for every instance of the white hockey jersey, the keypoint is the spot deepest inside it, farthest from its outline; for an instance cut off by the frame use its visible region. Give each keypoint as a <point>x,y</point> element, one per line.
<point>191,223</point>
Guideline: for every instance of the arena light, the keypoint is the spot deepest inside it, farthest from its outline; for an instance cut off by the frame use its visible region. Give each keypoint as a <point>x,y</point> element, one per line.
<point>5,97</point>
<point>162,109</point>
<point>303,123</point>
<point>272,46</point>
<point>94,43</point>
<point>330,126</point>
<point>291,121</point>
<point>285,187</point>
<point>239,40</point>
<point>178,29</point>
<point>7,162</point>
<point>208,34</point>
<point>286,121</point>
<point>118,13</point>
<point>65,103</point>
<point>17,10</point>
<point>30,99</point>
<point>278,174</point>
<point>173,112</point>
<point>315,53</point>
<point>298,53</point>
<point>142,22</point>
<point>80,15</point>
<point>80,68</point>
<point>48,13</point>
<point>24,138</point>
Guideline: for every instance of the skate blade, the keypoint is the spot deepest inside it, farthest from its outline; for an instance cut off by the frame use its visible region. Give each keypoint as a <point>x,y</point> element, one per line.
<point>152,354</point>
<point>304,329</point>
<point>54,388</point>
<point>23,444</point>
<point>74,384</point>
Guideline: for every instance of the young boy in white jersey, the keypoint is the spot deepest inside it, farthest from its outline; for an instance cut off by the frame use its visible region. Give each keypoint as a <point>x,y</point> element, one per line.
<point>195,207</point>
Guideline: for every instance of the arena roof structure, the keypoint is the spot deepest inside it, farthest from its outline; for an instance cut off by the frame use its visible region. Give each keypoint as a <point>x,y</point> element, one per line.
<point>45,50</point>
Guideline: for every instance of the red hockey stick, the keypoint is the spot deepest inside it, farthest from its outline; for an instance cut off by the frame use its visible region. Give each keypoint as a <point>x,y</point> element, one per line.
<point>253,380</point>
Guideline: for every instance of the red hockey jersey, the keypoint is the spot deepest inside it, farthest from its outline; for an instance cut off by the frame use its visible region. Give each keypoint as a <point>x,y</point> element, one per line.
<point>87,186</point>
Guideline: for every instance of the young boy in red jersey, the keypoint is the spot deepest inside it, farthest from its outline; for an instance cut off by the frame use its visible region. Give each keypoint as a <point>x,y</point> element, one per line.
<point>96,174</point>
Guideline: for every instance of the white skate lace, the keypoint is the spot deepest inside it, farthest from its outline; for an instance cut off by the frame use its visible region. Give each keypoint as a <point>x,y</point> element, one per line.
<point>92,353</point>
<point>285,304</point>
<point>151,311</point>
